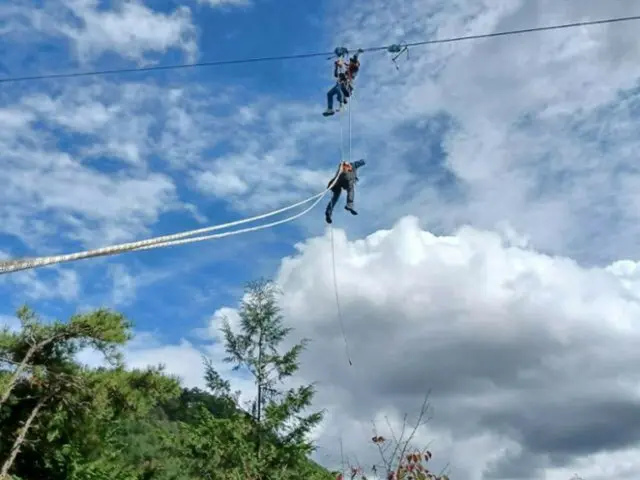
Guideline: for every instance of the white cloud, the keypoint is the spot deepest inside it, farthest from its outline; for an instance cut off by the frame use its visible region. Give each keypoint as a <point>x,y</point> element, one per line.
<point>61,189</point>
<point>221,184</point>
<point>183,360</point>
<point>11,322</point>
<point>523,352</point>
<point>124,285</point>
<point>52,283</point>
<point>128,28</point>
<point>226,3</point>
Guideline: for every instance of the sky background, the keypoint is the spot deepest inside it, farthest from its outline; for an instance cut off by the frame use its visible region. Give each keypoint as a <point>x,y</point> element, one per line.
<point>494,258</point>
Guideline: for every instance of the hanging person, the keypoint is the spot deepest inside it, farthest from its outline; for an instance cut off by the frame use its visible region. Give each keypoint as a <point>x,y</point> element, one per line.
<point>344,75</point>
<point>345,178</point>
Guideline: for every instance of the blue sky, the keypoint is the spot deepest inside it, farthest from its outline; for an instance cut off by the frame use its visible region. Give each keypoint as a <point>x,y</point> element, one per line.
<point>498,208</point>
<point>212,271</point>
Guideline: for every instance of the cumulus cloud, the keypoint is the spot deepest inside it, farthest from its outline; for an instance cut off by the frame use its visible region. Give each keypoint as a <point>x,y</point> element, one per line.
<point>182,360</point>
<point>530,358</point>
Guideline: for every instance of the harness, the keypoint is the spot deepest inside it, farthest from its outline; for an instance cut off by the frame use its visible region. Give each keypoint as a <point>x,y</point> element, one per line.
<point>346,77</point>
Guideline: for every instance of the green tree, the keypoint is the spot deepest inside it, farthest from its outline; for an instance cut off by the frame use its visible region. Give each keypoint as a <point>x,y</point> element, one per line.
<point>114,431</point>
<point>279,415</point>
<point>65,421</point>
<point>41,344</point>
<point>42,370</point>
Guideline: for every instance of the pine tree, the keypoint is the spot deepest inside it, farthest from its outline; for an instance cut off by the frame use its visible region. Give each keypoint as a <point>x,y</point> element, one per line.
<point>255,348</point>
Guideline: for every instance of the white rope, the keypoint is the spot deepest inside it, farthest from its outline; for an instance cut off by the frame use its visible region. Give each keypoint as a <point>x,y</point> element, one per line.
<point>335,289</point>
<point>15,265</point>
<point>333,252</point>
<point>342,157</point>
<point>350,107</point>
<point>235,232</point>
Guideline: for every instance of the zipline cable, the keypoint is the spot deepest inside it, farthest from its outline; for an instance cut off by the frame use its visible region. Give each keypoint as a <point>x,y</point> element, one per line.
<point>315,54</point>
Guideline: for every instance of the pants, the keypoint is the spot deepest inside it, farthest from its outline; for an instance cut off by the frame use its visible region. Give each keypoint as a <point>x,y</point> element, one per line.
<point>340,90</point>
<point>337,190</point>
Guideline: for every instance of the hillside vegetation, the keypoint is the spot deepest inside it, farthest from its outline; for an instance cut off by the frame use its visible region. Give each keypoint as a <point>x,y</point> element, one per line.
<point>61,420</point>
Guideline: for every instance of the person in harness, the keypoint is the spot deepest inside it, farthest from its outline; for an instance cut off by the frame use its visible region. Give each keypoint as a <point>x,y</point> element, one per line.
<point>344,74</point>
<point>345,178</point>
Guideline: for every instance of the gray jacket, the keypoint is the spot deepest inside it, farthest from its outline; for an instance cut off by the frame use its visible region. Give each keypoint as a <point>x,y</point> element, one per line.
<point>349,177</point>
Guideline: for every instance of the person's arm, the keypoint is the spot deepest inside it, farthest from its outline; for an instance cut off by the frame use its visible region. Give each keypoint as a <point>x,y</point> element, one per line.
<point>359,163</point>
<point>337,68</point>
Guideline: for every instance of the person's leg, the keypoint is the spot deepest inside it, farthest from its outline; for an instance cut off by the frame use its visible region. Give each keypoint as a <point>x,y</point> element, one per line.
<point>350,197</point>
<point>330,94</point>
<point>332,203</point>
<point>346,92</point>
<point>339,94</point>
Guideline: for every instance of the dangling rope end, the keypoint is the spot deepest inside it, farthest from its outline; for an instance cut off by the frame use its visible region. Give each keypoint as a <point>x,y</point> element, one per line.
<point>335,289</point>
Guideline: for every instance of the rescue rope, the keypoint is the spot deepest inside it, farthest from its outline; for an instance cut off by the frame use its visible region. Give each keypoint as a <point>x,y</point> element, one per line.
<point>15,265</point>
<point>235,232</point>
<point>333,251</point>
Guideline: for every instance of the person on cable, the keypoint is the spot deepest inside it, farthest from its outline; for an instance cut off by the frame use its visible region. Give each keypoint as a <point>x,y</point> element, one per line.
<point>345,178</point>
<point>344,75</point>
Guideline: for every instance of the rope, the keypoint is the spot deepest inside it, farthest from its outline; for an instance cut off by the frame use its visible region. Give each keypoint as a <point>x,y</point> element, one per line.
<point>315,54</point>
<point>236,232</point>
<point>333,251</point>
<point>350,107</point>
<point>157,242</point>
<point>335,289</point>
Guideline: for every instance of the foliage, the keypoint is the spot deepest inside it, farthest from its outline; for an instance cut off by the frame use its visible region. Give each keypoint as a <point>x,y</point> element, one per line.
<point>62,420</point>
<point>256,349</point>
<point>400,459</point>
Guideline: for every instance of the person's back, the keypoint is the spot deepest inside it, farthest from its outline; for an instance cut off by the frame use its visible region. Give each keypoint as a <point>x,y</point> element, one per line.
<point>345,178</point>
<point>344,75</point>
<point>353,68</point>
<point>350,170</point>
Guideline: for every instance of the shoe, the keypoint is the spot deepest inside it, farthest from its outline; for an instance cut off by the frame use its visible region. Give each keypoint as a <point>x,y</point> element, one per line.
<point>328,113</point>
<point>327,217</point>
<point>350,209</point>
